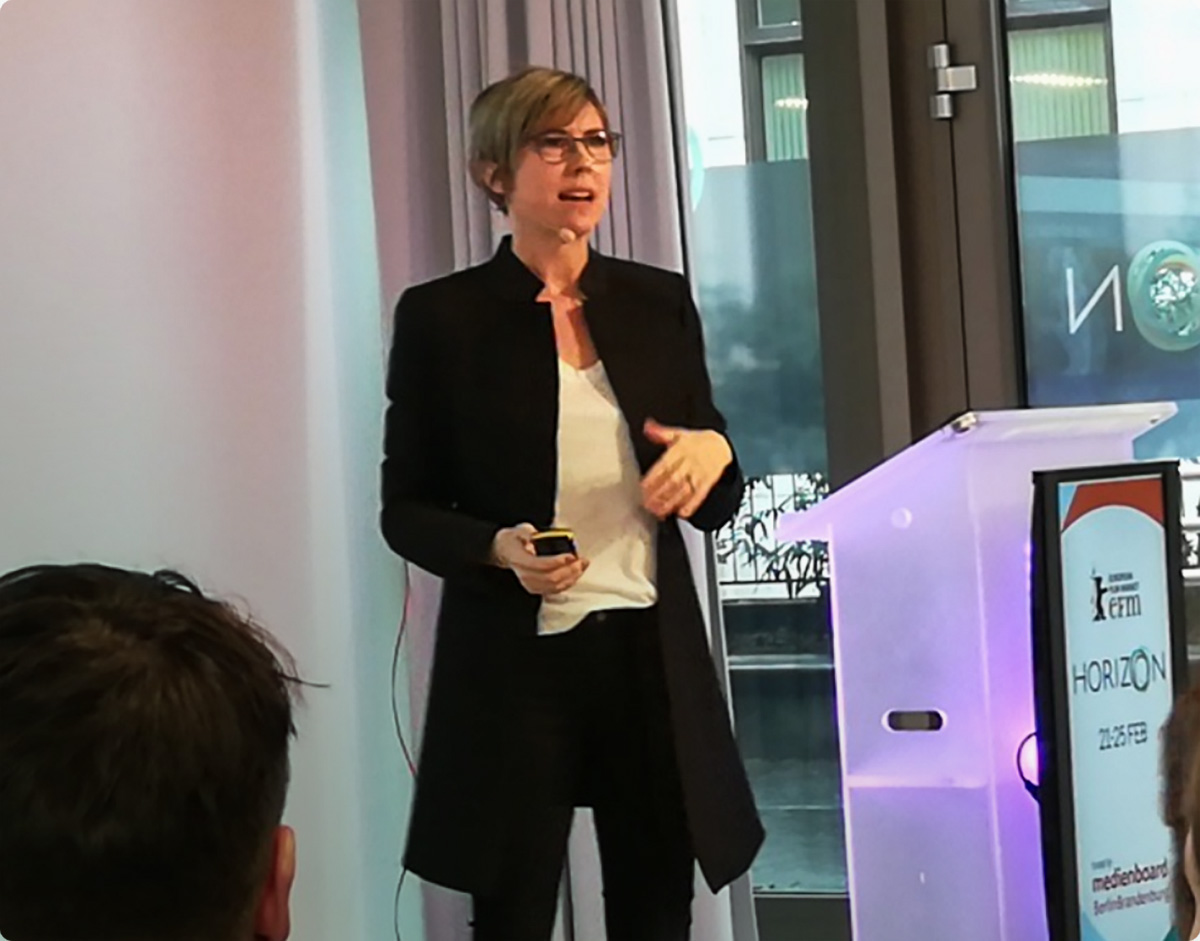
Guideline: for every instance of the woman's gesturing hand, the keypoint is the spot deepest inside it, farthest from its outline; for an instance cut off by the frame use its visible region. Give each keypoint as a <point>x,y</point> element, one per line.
<point>685,474</point>
<point>513,549</point>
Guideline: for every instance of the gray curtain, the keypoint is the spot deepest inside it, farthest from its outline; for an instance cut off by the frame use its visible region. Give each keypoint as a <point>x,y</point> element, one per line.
<point>620,47</point>
<point>425,60</point>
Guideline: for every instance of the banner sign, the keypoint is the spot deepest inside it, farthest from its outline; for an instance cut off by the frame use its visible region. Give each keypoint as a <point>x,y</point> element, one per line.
<point>1109,652</point>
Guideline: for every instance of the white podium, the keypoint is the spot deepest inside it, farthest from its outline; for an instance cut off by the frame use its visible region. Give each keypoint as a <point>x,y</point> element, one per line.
<point>929,557</point>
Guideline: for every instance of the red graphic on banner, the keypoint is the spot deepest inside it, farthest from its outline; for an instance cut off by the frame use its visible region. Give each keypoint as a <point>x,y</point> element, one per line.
<point>1144,494</point>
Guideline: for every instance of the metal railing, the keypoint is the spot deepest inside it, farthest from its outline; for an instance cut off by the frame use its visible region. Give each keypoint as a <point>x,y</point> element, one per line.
<point>751,564</point>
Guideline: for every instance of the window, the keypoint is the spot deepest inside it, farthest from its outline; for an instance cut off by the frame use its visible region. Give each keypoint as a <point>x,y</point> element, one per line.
<point>752,259</point>
<point>785,131</point>
<point>772,45</point>
<point>1060,57</point>
<point>1108,215</point>
<point>775,13</point>
<point>1107,151</point>
<point>1061,82</point>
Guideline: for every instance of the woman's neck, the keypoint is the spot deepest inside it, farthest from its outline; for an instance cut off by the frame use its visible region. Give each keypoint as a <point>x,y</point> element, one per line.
<point>558,261</point>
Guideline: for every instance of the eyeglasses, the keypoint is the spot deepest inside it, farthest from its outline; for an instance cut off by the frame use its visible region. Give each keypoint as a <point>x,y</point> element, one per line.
<point>557,146</point>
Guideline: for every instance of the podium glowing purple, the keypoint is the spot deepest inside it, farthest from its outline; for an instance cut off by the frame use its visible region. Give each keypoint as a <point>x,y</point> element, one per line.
<point>929,560</point>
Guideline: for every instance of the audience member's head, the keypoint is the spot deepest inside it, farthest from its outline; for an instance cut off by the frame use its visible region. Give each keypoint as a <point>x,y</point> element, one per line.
<point>144,732</point>
<point>1181,803</point>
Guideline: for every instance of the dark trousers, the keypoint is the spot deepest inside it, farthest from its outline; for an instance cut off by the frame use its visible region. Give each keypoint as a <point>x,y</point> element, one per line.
<point>595,711</point>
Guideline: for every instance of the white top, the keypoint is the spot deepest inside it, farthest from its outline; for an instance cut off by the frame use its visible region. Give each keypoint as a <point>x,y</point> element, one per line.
<point>600,499</point>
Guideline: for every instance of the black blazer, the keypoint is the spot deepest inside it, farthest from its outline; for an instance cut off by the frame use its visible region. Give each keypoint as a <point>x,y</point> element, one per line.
<point>470,447</point>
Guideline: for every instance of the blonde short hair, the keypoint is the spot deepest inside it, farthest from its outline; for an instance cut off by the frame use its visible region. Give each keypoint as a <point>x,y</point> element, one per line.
<point>505,115</point>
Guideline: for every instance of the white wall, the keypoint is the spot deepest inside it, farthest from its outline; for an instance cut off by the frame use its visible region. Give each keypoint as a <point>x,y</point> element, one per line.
<point>190,359</point>
<point>711,68</point>
<point>1154,58</point>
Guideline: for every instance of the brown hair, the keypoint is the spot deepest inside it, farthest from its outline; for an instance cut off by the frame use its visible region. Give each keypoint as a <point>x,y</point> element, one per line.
<point>144,732</point>
<point>1180,802</point>
<point>505,115</point>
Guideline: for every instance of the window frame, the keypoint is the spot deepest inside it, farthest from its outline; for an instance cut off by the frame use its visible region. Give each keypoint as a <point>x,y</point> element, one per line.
<point>759,43</point>
<point>1059,9</point>
<point>754,34</point>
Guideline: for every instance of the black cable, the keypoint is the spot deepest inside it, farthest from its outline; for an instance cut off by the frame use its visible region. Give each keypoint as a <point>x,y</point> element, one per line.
<point>396,904</point>
<point>399,728</point>
<point>1032,788</point>
<point>396,724</point>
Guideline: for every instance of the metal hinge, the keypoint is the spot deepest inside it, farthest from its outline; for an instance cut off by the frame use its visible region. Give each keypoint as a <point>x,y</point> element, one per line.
<point>949,80</point>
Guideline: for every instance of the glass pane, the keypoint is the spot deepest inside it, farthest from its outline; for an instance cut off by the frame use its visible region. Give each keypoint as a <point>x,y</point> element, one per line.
<point>785,107</point>
<point>778,12</point>
<point>1108,187</point>
<point>752,261</point>
<point>1107,138</point>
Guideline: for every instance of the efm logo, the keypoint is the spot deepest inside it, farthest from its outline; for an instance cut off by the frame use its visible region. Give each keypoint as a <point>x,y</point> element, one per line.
<point>1115,596</point>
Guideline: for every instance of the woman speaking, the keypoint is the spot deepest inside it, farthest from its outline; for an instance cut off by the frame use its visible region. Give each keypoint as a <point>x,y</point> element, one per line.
<point>550,419</point>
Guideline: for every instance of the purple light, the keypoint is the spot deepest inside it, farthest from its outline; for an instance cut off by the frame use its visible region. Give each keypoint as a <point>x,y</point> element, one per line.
<point>1027,761</point>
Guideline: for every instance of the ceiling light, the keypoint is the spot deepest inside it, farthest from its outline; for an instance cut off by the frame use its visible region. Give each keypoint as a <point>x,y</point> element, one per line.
<point>1059,80</point>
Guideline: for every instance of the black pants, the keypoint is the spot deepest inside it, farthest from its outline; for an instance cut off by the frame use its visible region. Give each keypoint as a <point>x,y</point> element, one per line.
<point>595,709</point>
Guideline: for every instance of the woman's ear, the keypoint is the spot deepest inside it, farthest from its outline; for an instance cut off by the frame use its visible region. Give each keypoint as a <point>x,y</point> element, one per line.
<point>489,177</point>
<point>492,179</point>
